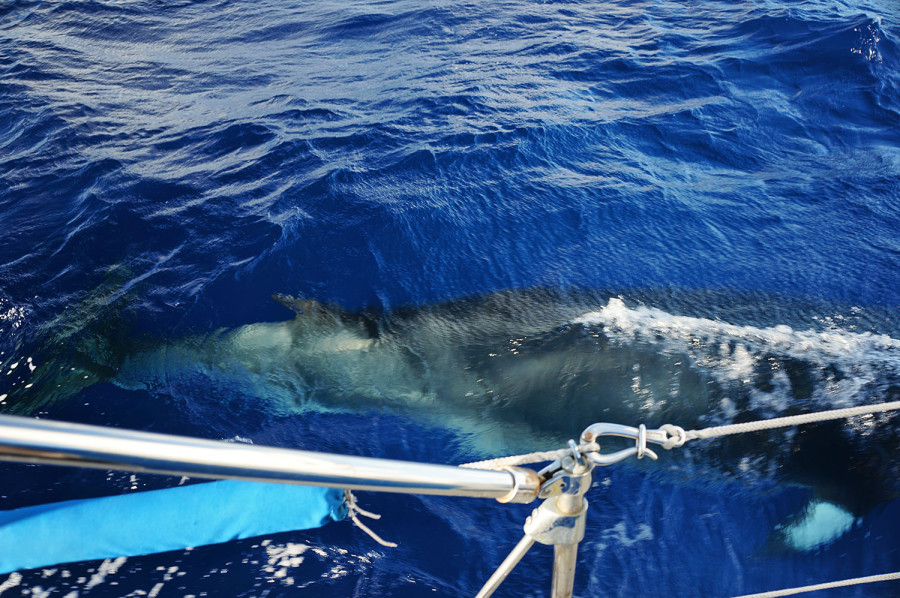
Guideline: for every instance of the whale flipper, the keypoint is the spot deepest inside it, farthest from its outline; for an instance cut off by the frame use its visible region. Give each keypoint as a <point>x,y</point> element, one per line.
<point>818,525</point>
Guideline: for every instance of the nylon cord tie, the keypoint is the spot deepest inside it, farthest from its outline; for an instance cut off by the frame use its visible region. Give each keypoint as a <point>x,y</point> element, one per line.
<point>353,509</point>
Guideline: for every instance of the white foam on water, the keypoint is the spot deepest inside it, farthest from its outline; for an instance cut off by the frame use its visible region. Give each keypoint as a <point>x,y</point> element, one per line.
<point>619,533</point>
<point>615,537</point>
<point>12,318</point>
<point>107,567</point>
<point>17,375</point>
<point>11,315</point>
<point>732,354</point>
<point>285,562</point>
<point>12,581</point>
<point>282,558</point>
<point>647,322</point>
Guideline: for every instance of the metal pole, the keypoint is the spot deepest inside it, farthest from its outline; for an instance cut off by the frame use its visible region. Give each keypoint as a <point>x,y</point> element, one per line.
<point>564,558</point>
<point>570,503</point>
<point>506,567</point>
<point>41,441</point>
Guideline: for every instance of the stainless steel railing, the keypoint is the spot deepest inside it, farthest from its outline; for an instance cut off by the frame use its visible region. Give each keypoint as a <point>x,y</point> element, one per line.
<point>41,441</point>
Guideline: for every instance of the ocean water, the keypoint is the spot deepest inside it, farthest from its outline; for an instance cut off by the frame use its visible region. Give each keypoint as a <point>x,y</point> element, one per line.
<point>523,216</point>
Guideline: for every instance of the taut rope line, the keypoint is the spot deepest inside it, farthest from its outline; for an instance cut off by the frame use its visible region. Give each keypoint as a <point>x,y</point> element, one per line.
<point>538,457</point>
<point>678,436</point>
<point>793,420</point>
<point>825,586</point>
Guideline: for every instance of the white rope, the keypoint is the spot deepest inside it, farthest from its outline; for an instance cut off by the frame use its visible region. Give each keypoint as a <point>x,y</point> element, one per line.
<point>501,462</point>
<point>794,420</point>
<point>825,586</point>
<point>353,509</point>
<point>682,436</point>
<point>538,457</point>
<point>679,436</point>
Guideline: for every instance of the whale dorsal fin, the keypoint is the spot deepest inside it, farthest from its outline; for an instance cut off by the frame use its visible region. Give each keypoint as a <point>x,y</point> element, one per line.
<point>331,313</point>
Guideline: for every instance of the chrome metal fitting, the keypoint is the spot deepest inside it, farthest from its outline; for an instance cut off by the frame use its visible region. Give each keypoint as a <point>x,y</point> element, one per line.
<point>527,485</point>
<point>548,525</point>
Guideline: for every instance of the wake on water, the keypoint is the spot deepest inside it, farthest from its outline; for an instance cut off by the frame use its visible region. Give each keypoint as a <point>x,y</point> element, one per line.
<point>839,368</point>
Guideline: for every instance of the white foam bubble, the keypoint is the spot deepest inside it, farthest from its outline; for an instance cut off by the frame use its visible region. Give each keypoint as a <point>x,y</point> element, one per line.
<point>731,354</point>
<point>11,314</point>
<point>107,567</point>
<point>647,322</point>
<point>617,536</point>
<point>12,581</point>
<point>282,557</point>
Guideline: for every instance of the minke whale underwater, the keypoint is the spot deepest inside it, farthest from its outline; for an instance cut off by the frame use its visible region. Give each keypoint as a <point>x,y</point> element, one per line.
<point>526,370</point>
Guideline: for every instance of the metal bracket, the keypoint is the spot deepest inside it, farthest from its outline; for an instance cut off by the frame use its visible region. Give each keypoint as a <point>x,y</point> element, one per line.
<point>548,525</point>
<point>527,485</point>
<point>559,521</point>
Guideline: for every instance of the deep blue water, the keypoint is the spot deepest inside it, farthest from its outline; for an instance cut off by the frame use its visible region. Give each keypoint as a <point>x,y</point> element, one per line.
<point>167,167</point>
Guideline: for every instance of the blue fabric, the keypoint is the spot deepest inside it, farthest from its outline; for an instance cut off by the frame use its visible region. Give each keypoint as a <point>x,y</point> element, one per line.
<point>159,520</point>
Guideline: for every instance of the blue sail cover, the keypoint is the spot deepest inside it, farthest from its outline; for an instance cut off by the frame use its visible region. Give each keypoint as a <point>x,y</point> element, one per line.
<point>159,520</point>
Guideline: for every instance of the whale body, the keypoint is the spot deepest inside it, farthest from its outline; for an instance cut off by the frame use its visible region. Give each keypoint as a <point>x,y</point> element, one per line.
<point>527,370</point>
